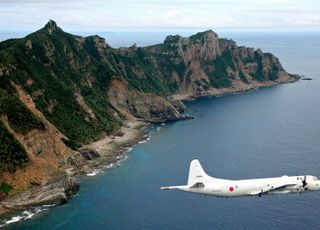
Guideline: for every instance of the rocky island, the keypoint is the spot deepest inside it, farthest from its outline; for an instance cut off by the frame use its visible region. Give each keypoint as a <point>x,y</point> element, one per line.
<point>69,103</point>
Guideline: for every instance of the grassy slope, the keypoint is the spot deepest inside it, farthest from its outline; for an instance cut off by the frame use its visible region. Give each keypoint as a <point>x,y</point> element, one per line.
<point>55,80</point>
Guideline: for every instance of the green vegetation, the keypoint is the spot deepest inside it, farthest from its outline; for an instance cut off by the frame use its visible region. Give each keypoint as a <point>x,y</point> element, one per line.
<point>170,62</point>
<point>19,117</point>
<point>59,68</point>
<point>242,77</point>
<point>219,78</point>
<point>259,76</point>
<point>150,78</point>
<point>5,188</point>
<point>12,155</point>
<point>198,37</point>
<point>7,43</point>
<point>89,46</point>
<point>273,73</point>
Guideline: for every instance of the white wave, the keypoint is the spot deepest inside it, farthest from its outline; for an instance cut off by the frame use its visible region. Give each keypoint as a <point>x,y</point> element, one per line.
<point>163,124</point>
<point>28,214</point>
<point>149,137</point>
<point>109,166</point>
<point>143,141</point>
<point>158,129</point>
<point>12,220</point>
<point>48,205</point>
<point>93,173</point>
<point>128,150</point>
<point>25,215</point>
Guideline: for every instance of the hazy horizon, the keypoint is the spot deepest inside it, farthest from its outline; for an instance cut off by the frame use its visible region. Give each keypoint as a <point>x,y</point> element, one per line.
<point>147,37</point>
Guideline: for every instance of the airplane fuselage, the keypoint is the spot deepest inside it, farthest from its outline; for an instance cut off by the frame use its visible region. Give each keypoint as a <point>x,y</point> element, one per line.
<point>252,187</point>
<point>199,182</point>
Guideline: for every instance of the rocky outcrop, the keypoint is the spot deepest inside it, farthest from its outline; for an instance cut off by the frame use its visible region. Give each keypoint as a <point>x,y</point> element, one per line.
<point>54,192</point>
<point>178,104</point>
<point>90,154</point>
<point>204,64</point>
<point>144,106</point>
<point>201,46</point>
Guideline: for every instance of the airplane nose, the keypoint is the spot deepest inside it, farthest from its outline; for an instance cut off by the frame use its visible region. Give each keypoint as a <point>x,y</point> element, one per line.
<point>315,186</point>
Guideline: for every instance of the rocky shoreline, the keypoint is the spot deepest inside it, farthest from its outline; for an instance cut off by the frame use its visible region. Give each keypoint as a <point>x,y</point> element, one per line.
<point>237,88</point>
<point>99,154</point>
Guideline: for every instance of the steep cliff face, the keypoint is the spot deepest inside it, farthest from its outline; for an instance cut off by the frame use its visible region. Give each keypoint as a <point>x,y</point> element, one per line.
<point>144,106</point>
<point>203,64</point>
<point>45,149</point>
<point>199,65</point>
<point>59,91</point>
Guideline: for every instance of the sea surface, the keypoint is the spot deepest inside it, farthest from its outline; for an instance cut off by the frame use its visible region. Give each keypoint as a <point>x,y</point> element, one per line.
<point>263,133</point>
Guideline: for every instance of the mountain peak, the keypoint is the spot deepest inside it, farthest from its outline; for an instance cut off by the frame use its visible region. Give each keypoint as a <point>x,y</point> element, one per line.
<point>208,34</point>
<point>51,26</point>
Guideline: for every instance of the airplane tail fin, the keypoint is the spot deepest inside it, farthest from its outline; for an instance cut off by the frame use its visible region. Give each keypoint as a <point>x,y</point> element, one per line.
<point>196,174</point>
<point>196,179</point>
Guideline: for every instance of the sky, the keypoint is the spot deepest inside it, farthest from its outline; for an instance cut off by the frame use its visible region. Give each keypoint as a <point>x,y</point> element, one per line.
<point>161,15</point>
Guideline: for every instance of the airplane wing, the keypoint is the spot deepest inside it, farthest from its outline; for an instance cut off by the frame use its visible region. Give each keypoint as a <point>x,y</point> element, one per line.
<point>271,188</point>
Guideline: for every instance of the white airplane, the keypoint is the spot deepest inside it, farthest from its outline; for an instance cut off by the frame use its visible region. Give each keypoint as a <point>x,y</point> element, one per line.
<point>200,182</point>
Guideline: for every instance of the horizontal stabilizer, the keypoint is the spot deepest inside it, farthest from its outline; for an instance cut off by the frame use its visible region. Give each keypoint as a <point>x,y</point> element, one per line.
<point>173,187</point>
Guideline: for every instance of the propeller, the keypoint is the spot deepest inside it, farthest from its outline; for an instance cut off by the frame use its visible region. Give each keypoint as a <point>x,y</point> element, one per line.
<point>304,182</point>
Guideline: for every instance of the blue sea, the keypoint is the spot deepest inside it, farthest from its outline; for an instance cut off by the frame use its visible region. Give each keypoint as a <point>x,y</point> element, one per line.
<point>263,133</point>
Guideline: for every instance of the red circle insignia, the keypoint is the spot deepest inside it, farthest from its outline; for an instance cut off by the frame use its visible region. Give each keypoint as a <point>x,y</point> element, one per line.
<point>231,189</point>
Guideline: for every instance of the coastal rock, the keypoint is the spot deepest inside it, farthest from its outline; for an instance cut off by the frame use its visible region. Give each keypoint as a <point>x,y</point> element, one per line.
<point>55,192</point>
<point>90,154</point>
<point>178,104</point>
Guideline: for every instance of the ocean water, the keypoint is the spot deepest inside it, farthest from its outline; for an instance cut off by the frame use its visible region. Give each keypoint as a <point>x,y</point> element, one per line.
<point>263,133</point>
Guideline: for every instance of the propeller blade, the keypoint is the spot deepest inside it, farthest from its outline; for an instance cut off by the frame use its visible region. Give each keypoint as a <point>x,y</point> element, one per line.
<point>304,182</point>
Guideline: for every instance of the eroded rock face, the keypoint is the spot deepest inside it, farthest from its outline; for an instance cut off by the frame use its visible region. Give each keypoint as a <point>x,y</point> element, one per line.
<point>204,64</point>
<point>178,104</point>
<point>45,149</point>
<point>144,106</point>
<point>204,46</point>
<point>90,154</point>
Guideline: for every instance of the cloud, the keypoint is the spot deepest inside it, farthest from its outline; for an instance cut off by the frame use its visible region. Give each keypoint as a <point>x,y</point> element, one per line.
<point>99,15</point>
